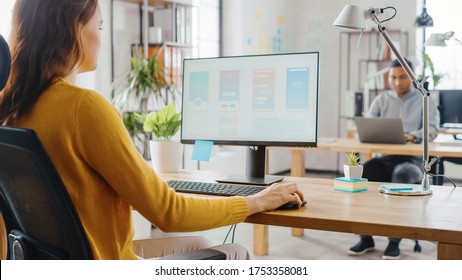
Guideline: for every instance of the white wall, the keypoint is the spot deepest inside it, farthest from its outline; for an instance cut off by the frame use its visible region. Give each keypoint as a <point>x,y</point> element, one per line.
<point>249,27</point>
<point>5,18</point>
<point>448,60</point>
<point>103,73</point>
<point>100,80</point>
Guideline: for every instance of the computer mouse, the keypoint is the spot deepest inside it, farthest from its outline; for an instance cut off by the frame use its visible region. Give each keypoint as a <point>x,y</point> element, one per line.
<point>290,205</point>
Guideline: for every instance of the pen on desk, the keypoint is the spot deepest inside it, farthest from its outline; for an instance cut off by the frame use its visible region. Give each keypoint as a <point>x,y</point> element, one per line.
<point>400,188</point>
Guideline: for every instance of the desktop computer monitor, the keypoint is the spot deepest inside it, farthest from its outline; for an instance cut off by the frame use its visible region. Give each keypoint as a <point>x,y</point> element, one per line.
<point>450,108</point>
<point>256,101</point>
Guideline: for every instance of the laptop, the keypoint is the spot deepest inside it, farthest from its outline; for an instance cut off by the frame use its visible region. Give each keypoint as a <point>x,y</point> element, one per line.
<point>380,130</point>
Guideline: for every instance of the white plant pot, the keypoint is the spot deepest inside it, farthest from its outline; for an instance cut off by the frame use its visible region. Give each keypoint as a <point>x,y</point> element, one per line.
<point>166,155</point>
<point>353,172</point>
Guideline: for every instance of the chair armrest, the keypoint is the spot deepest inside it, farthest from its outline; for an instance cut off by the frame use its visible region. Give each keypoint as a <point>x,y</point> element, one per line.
<point>202,254</point>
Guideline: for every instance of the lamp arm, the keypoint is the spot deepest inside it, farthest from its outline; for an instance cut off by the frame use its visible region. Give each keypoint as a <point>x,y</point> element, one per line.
<point>399,56</point>
<point>425,94</point>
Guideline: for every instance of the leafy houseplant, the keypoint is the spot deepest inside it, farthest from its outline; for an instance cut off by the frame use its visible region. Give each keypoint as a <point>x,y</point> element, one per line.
<point>132,124</point>
<point>165,153</point>
<point>352,167</point>
<point>428,63</point>
<point>163,124</point>
<point>143,81</point>
<point>141,87</point>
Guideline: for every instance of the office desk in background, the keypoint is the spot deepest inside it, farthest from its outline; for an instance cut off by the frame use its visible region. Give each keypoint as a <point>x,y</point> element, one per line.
<point>435,218</point>
<point>453,131</point>
<point>367,150</point>
<point>351,132</point>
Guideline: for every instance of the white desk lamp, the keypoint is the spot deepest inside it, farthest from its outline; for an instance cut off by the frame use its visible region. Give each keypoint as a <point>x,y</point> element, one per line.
<point>439,40</point>
<point>355,17</point>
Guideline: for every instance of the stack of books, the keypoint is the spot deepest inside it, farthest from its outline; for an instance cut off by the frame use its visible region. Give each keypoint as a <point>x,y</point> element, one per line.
<point>350,185</point>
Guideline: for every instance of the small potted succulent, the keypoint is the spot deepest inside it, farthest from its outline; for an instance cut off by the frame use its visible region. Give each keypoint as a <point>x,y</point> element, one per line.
<point>352,167</point>
<point>164,124</point>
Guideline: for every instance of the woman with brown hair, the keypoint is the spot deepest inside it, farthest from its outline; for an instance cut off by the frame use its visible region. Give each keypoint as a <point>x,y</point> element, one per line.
<point>51,42</point>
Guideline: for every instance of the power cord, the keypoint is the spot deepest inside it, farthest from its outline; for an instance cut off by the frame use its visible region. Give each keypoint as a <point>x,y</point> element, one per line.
<point>444,176</point>
<point>389,7</point>
<point>233,229</point>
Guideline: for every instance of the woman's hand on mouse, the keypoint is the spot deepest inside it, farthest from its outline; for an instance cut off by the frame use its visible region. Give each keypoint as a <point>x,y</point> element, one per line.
<point>274,196</point>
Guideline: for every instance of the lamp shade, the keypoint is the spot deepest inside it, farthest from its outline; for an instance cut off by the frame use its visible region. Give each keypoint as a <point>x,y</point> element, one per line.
<point>436,40</point>
<point>351,17</point>
<point>424,20</point>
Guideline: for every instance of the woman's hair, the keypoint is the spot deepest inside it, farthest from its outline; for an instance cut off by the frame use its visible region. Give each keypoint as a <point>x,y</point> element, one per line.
<point>45,44</point>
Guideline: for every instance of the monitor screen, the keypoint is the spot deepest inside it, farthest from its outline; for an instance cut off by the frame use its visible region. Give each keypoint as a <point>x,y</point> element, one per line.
<point>268,100</point>
<point>257,101</point>
<point>450,108</point>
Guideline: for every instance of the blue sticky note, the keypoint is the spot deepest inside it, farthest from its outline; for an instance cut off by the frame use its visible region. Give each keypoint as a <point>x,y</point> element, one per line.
<point>202,150</point>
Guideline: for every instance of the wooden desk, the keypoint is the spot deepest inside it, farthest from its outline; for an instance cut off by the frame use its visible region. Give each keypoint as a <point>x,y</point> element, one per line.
<point>452,131</point>
<point>351,132</point>
<point>367,150</point>
<point>435,218</point>
<point>350,144</point>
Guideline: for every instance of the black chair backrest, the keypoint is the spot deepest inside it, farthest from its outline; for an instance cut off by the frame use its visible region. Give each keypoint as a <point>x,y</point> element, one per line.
<point>39,215</point>
<point>5,61</point>
<point>450,106</point>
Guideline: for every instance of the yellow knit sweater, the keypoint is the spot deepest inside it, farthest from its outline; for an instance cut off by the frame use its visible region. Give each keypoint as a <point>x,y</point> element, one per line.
<point>106,176</point>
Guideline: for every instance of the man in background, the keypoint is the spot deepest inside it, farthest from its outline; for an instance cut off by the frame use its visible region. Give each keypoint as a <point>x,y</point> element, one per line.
<point>405,102</point>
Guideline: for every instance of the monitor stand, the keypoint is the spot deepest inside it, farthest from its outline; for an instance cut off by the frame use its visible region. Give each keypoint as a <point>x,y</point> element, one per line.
<point>255,170</point>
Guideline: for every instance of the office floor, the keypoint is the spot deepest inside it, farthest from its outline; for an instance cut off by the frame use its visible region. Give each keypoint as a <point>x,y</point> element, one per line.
<point>315,244</point>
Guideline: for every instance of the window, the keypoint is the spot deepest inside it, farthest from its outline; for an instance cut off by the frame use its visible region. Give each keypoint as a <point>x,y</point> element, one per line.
<point>447,60</point>
<point>5,17</point>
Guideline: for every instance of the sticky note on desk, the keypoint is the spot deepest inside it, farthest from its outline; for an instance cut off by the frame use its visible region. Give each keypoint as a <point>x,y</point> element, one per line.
<point>202,150</point>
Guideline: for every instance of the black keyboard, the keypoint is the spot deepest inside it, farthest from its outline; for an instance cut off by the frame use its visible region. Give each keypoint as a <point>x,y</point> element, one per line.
<point>213,188</point>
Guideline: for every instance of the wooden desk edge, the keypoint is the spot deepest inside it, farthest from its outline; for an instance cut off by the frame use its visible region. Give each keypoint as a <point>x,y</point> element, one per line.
<point>438,235</point>
<point>450,241</point>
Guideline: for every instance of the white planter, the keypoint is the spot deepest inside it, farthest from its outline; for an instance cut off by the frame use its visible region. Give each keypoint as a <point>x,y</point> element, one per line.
<point>353,172</point>
<point>166,155</point>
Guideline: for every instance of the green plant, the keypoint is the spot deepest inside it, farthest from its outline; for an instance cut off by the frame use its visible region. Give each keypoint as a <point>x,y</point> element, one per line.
<point>132,124</point>
<point>352,159</point>
<point>428,64</point>
<point>163,124</point>
<point>142,85</point>
<point>145,80</point>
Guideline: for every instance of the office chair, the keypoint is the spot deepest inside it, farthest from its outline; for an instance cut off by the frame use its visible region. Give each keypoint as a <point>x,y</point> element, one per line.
<point>38,214</point>
<point>4,62</point>
<point>4,72</point>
